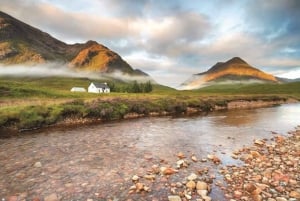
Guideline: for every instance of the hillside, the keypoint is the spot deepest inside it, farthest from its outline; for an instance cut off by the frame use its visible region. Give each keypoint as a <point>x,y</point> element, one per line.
<point>21,43</point>
<point>231,71</point>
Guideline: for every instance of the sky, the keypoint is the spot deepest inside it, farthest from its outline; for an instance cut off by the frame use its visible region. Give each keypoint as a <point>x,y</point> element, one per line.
<point>172,39</point>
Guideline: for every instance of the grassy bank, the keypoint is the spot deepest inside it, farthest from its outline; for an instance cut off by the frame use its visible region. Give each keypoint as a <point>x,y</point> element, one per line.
<point>28,103</point>
<point>30,117</point>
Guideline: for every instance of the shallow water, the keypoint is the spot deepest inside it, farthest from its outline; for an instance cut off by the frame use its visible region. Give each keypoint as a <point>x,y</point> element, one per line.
<point>98,161</point>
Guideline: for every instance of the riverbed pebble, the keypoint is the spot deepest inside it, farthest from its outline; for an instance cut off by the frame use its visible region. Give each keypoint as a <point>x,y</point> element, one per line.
<point>270,171</point>
<point>38,164</point>
<point>192,177</point>
<point>174,198</point>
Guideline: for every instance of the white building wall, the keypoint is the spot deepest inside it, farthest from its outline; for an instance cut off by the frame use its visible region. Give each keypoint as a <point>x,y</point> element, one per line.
<point>92,89</point>
<point>78,89</point>
<point>106,90</point>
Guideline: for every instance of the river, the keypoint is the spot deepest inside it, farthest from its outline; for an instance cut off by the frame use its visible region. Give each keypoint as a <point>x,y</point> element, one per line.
<point>97,161</point>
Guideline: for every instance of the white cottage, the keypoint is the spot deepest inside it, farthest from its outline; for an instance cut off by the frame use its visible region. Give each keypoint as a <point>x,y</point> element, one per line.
<point>98,88</point>
<point>78,89</point>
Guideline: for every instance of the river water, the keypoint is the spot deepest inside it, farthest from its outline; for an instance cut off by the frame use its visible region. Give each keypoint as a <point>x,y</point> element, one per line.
<point>97,161</point>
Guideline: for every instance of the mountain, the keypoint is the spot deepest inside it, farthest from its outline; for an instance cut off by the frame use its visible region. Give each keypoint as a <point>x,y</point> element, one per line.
<point>21,43</point>
<point>231,71</point>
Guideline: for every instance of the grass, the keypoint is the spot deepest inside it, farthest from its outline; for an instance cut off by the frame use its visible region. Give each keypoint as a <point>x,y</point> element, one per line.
<point>28,103</point>
<point>288,89</point>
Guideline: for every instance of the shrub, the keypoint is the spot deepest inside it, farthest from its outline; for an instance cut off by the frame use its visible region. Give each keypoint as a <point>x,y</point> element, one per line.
<point>32,116</point>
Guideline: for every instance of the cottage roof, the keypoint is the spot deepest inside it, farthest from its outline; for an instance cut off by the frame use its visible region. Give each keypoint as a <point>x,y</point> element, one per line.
<point>100,85</point>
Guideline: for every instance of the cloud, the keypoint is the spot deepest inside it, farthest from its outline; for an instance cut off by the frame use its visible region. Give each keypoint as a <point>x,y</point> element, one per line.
<point>292,74</point>
<point>276,22</point>
<point>143,8</point>
<point>67,25</point>
<point>174,38</point>
<point>44,70</point>
<point>60,70</point>
<point>163,69</point>
<point>167,35</point>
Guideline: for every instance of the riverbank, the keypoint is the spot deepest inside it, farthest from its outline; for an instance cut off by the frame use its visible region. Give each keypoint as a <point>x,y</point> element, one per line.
<point>99,162</point>
<point>270,171</point>
<point>79,112</point>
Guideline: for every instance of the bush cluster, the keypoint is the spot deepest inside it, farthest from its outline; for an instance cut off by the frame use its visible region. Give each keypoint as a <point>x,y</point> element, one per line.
<point>134,87</point>
<point>30,117</point>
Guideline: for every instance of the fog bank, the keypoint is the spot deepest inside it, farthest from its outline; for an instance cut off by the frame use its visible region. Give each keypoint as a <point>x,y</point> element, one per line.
<point>61,70</point>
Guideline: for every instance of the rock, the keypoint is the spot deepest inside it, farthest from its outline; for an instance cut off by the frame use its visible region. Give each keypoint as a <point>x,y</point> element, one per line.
<point>257,198</point>
<point>187,196</point>
<point>135,178</point>
<point>69,185</point>
<point>84,184</point>
<point>259,142</point>
<point>228,177</point>
<point>265,180</point>
<point>12,198</point>
<point>214,158</point>
<point>279,139</point>
<point>206,198</point>
<point>194,158</point>
<point>150,176</point>
<point>281,199</point>
<point>295,194</point>
<point>191,185</point>
<point>202,193</point>
<point>139,187</point>
<point>146,188</point>
<point>262,186</point>
<point>180,163</point>
<point>174,198</point>
<point>257,191</point>
<point>255,154</point>
<point>51,197</point>
<point>279,189</point>
<point>37,165</point>
<point>168,171</point>
<point>271,199</point>
<point>179,185</point>
<point>173,191</point>
<point>192,177</point>
<point>201,185</point>
<point>246,157</point>
<point>89,200</point>
<point>234,156</point>
<point>212,176</point>
<point>293,182</point>
<point>237,194</point>
<point>155,169</point>
<point>249,188</point>
<point>133,187</point>
<point>180,155</point>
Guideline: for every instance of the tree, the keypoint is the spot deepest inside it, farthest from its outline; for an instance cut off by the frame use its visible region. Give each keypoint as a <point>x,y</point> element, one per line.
<point>135,87</point>
<point>112,87</point>
<point>148,87</point>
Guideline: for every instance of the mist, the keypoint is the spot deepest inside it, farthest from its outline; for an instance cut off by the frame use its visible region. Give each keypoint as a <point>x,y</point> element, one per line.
<point>62,70</point>
<point>198,81</point>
